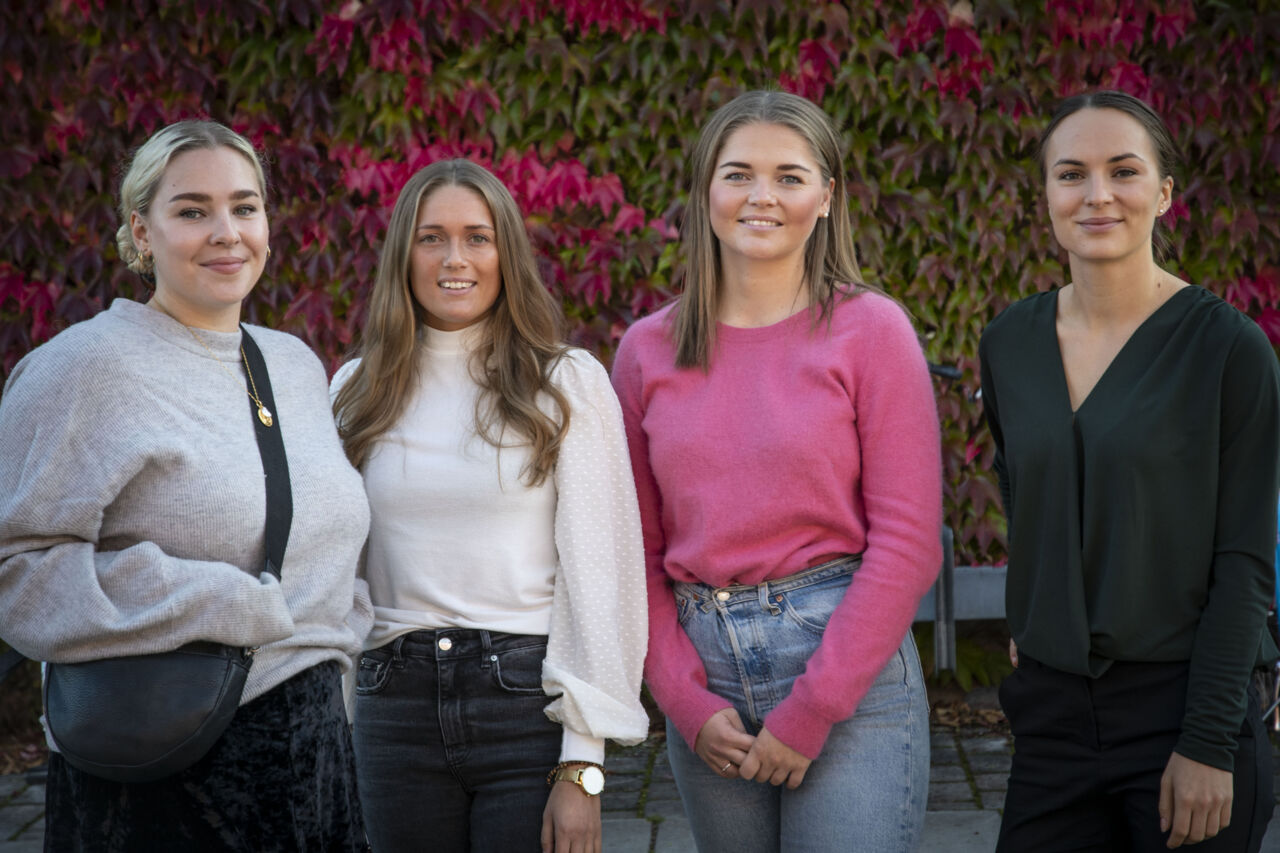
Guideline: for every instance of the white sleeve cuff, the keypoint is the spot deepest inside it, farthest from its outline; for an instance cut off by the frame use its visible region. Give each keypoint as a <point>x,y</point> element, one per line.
<point>580,747</point>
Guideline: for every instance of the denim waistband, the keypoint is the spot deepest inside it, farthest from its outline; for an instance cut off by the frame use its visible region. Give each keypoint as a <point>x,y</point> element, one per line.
<point>454,643</point>
<point>736,593</point>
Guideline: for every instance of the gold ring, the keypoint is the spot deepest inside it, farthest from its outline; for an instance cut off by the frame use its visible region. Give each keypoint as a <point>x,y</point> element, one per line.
<point>726,767</point>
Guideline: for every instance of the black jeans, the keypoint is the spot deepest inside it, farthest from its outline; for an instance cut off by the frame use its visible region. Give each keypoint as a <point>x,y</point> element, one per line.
<point>452,742</point>
<point>1089,754</point>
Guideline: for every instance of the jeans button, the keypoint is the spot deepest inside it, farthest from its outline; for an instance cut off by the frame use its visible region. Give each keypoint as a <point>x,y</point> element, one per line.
<point>722,595</point>
<point>445,644</point>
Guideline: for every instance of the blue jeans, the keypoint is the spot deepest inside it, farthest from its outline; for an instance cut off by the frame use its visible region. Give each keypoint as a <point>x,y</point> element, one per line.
<point>452,744</point>
<point>867,790</point>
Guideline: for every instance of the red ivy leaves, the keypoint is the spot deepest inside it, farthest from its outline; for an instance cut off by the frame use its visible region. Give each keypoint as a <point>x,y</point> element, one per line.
<point>818,61</point>
<point>35,299</point>
<point>960,70</point>
<point>624,17</point>
<point>921,25</point>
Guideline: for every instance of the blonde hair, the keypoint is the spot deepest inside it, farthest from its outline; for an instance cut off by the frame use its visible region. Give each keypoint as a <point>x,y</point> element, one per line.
<point>830,261</point>
<point>512,364</point>
<point>146,168</point>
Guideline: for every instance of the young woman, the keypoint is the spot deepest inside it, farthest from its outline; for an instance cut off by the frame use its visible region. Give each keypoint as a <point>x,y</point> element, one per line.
<point>132,515</point>
<point>504,560</point>
<point>785,444</point>
<point>1137,429</point>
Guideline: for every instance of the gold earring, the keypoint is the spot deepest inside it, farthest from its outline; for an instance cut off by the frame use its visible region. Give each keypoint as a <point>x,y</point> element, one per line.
<point>268,253</point>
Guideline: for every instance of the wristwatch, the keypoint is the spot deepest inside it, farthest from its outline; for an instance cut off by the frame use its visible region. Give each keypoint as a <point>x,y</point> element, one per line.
<point>589,778</point>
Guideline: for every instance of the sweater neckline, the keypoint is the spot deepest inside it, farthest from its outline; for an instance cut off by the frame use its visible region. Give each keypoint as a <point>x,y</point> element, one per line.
<point>741,334</point>
<point>222,346</point>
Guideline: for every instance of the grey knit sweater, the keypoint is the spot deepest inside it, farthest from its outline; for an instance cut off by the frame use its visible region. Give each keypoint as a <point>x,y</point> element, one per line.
<point>132,502</point>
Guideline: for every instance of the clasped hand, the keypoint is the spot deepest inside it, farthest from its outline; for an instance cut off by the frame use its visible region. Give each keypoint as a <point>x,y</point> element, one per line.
<point>725,746</point>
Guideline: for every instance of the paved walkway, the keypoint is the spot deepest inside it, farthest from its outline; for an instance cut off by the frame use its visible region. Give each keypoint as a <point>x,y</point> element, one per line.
<point>642,812</point>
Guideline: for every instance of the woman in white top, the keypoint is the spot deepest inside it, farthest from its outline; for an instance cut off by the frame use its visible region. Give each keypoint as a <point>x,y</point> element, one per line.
<point>504,558</point>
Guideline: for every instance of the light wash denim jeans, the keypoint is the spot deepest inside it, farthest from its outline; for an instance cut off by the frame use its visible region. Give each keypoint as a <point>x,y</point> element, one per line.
<point>866,791</point>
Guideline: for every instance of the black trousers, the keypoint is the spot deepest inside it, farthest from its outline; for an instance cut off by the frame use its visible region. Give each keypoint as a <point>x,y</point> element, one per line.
<point>1089,754</point>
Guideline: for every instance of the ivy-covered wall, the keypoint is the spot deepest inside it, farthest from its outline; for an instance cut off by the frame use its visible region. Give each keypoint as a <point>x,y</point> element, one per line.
<point>588,111</point>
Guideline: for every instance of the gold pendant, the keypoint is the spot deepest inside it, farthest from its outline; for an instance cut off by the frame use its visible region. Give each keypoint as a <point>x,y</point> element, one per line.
<point>264,415</point>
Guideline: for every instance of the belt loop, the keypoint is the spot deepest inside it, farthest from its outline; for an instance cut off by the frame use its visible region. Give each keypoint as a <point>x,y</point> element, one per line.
<point>486,655</point>
<point>765,604</point>
<point>395,649</point>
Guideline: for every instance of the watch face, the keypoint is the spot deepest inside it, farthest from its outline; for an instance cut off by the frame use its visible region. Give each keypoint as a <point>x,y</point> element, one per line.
<point>592,780</point>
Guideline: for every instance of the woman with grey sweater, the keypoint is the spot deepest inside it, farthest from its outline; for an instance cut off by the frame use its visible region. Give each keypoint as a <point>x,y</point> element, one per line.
<point>132,514</point>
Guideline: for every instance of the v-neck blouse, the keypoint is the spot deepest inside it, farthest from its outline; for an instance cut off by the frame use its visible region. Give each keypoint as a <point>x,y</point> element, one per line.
<point>1142,525</point>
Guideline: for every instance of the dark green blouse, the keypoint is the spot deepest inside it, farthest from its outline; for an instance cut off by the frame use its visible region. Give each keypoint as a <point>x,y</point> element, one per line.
<point>1142,526</point>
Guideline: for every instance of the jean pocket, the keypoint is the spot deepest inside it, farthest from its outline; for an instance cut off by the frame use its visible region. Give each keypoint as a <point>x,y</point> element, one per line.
<point>373,673</point>
<point>684,608</point>
<point>519,671</point>
<point>811,607</point>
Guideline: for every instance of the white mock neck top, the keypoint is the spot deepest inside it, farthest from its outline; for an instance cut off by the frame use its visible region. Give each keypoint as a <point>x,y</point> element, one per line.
<point>459,539</point>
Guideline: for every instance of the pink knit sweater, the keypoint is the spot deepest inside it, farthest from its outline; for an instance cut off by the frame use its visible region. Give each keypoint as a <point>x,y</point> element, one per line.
<point>800,444</point>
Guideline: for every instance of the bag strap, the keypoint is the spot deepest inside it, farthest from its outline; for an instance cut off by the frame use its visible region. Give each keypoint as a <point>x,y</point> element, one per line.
<point>275,465</point>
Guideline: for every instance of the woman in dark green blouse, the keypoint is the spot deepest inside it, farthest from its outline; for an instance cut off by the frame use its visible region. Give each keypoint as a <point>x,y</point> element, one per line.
<point>1137,428</point>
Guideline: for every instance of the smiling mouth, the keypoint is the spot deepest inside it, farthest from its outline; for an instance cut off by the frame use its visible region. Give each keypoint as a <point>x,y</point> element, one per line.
<point>225,264</point>
<point>455,284</point>
<point>761,223</point>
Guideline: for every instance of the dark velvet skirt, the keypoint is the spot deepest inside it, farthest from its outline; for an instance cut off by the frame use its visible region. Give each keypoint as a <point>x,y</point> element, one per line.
<point>281,778</point>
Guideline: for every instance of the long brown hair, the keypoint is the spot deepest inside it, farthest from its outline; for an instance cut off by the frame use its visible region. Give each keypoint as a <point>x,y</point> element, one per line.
<point>513,362</point>
<point>830,261</point>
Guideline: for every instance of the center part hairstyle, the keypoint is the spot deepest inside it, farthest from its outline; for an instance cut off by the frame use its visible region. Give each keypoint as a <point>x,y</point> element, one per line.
<point>522,338</point>
<point>147,167</point>
<point>1162,144</point>
<point>830,261</point>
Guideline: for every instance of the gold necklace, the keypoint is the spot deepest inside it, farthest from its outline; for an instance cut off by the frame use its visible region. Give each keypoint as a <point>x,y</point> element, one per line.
<point>264,414</point>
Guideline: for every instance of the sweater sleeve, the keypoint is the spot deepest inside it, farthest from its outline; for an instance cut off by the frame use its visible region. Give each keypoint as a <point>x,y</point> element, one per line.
<point>69,443</point>
<point>596,645</point>
<point>673,669</point>
<point>1242,579</point>
<point>901,485</point>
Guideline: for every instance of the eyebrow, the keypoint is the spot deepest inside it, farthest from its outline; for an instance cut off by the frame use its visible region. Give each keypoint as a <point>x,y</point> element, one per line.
<point>203,198</point>
<point>785,167</point>
<point>1116,159</point>
<point>430,227</point>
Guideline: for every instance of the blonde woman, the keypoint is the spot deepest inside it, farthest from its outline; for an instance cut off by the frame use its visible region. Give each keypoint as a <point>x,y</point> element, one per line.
<point>504,556</point>
<point>785,445</point>
<point>132,514</point>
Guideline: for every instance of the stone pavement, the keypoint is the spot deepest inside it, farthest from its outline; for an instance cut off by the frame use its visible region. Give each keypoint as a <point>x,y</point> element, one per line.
<point>642,812</point>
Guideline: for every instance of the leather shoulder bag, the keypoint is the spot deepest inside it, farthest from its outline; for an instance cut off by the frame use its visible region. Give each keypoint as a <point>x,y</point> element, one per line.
<point>145,717</point>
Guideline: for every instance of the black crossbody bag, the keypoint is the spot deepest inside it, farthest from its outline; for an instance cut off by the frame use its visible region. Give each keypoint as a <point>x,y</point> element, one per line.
<point>145,717</point>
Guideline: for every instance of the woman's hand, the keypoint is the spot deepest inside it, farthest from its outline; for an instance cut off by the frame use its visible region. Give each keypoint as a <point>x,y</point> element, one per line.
<point>1013,653</point>
<point>571,821</point>
<point>1195,801</point>
<point>770,760</point>
<point>723,742</point>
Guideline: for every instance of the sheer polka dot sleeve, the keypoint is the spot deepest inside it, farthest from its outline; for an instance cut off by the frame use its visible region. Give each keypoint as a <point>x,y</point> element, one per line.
<point>599,618</point>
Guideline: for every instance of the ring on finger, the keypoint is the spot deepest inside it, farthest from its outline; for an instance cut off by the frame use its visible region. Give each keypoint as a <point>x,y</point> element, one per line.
<point>725,769</point>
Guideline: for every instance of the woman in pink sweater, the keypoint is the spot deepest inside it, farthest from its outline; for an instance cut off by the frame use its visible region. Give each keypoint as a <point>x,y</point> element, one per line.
<point>784,440</point>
